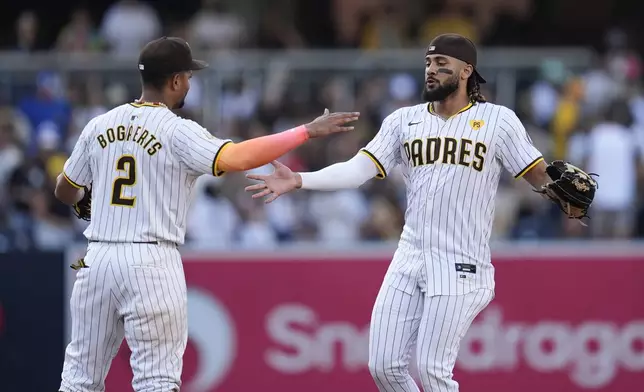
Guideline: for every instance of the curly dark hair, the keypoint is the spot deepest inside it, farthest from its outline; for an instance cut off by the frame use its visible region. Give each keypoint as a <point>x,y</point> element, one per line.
<point>474,90</point>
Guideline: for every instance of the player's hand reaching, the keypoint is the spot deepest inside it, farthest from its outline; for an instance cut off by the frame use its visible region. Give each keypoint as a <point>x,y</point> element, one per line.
<point>281,181</point>
<point>329,123</point>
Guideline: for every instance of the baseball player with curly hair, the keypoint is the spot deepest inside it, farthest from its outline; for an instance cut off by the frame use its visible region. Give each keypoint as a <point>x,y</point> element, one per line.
<point>451,150</point>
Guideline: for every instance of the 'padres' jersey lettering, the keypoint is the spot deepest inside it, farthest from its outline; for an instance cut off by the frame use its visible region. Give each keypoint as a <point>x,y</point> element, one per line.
<point>445,150</point>
<point>142,162</point>
<point>451,168</point>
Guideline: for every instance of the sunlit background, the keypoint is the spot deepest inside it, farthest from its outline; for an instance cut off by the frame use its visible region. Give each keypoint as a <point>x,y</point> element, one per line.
<point>281,294</point>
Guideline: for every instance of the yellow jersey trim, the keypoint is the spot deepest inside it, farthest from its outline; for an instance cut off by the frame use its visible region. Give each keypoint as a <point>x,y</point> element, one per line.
<point>215,171</point>
<point>529,167</point>
<point>148,105</point>
<point>382,173</point>
<point>72,183</point>
<point>430,108</point>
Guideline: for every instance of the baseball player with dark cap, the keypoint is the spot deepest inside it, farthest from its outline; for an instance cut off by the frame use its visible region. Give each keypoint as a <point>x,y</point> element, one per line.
<point>455,59</point>
<point>131,174</point>
<point>451,151</point>
<point>169,59</point>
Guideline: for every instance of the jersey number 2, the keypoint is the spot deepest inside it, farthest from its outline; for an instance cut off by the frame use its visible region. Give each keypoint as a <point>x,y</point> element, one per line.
<point>126,164</point>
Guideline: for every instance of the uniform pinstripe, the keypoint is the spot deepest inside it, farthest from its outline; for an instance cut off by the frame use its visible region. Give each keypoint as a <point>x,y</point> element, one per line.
<point>142,162</point>
<point>441,275</point>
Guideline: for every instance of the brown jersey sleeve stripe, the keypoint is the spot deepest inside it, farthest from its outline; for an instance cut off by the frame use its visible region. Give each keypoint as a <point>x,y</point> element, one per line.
<point>529,167</point>
<point>381,169</point>
<point>215,171</point>
<point>74,184</point>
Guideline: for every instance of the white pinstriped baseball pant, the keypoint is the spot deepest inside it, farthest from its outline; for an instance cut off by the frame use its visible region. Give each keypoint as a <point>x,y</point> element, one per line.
<point>435,325</point>
<point>136,291</point>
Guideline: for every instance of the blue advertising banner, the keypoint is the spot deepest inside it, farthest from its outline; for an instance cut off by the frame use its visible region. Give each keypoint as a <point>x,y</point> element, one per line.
<point>31,321</point>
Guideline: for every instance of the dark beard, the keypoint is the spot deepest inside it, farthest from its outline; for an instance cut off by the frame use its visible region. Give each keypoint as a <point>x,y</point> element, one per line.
<point>441,92</point>
<point>180,104</point>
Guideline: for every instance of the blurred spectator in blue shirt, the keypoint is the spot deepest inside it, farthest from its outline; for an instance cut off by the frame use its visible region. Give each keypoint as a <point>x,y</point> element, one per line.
<point>47,110</point>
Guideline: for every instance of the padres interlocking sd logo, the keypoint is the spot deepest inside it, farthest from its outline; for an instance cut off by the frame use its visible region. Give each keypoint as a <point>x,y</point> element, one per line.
<point>476,124</point>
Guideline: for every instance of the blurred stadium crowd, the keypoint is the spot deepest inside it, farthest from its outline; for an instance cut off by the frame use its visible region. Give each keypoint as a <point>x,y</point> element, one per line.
<point>595,118</point>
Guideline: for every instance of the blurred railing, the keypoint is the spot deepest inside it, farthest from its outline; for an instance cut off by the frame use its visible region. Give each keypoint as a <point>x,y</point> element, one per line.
<point>506,69</point>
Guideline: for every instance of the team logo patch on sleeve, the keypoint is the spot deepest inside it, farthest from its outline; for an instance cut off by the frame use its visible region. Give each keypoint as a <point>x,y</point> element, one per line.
<point>476,124</point>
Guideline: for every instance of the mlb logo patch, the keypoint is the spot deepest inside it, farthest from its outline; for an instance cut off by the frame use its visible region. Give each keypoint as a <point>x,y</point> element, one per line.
<point>476,124</point>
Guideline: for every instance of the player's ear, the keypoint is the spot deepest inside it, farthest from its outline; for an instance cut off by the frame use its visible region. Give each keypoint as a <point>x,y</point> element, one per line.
<point>176,81</point>
<point>467,72</point>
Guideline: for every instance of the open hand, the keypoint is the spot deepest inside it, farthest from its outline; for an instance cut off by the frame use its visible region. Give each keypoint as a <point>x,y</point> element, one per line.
<point>281,181</point>
<point>329,123</point>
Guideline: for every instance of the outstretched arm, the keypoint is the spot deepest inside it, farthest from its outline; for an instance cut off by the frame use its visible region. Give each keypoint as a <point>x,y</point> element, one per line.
<point>537,176</point>
<point>204,153</point>
<point>260,151</point>
<point>380,155</point>
<point>350,174</point>
<point>249,154</point>
<point>566,185</point>
<point>344,175</point>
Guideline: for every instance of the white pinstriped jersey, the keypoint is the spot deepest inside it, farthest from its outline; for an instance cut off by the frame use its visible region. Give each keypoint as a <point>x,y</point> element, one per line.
<point>452,169</point>
<point>142,162</point>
